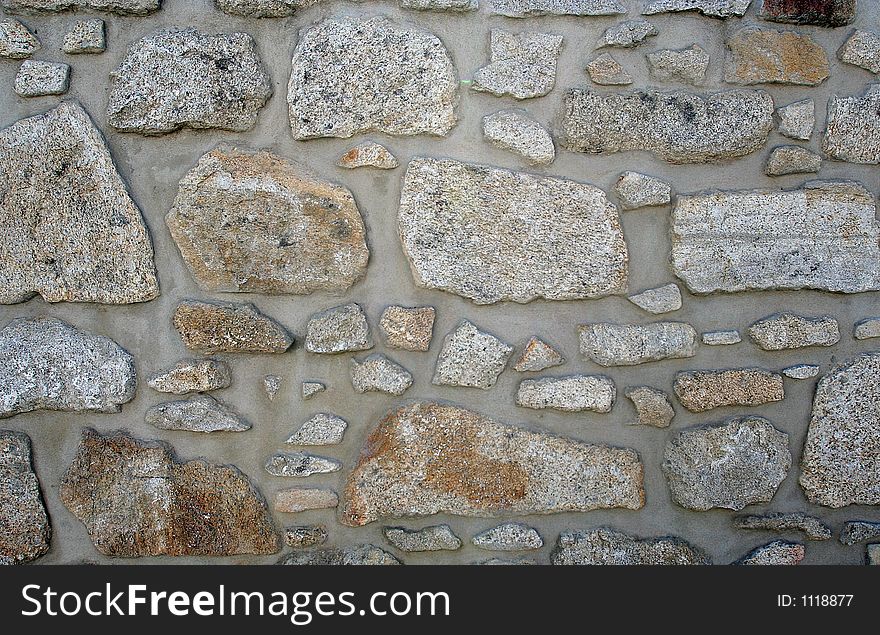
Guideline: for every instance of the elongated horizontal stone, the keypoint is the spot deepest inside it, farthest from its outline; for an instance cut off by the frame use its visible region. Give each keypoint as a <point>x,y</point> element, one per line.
<point>301,464</point>
<point>812,527</point>
<point>776,553</point>
<point>713,8</point>
<point>630,344</point>
<point>867,328</point>
<point>509,537</point>
<point>768,56</point>
<point>304,536</point>
<point>322,429</point>
<point>356,555</point>
<point>434,538</point>
<point>659,300</point>
<point>721,338</point>
<point>199,413</point>
<point>292,501</point>
<point>801,371</point>
<point>226,327</point>
<point>261,8</point>
<point>701,390</point>
<point>785,160</point>
<point>611,547</point>
<point>784,331</point>
<point>192,375</point>
<point>628,34</point>
<point>856,531</point>
<point>529,8</point>
<point>120,7</point>
<point>853,129</point>
<point>368,154</point>
<point>24,524</point>
<point>575,393</point>
<point>828,13</point>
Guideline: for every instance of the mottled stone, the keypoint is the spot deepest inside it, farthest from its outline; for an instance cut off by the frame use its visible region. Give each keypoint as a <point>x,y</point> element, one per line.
<point>377,373</point>
<point>713,8</point>
<point>199,413</point>
<point>627,34</point>
<point>784,331</point>
<point>778,552</point>
<point>535,237</point>
<point>85,36</point>
<point>256,223</point>
<point>792,160</point>
<point>494,562</point>
<point>271,385</point>
<point>305,536</point>
<point>813,528</point>
<point>119,7</point>
<point>652,406</point>
<point>575,393</point>
<point>453,6</point>
<point>862,49</point>
<point>855,531</point>
<point>16,41</point>
<point>37,78</point>
<point>261,8</point>
<point>797,120</point>
<point>434,538</point>
<point>530,8</point>
<point>516,131</point>
<point>410,329</point>
<point>636,190</point>
<point>762,56</point>
<point>867,328</point>
<point>300,464</point>
<point>50,365</point>
<point>292,501</point>
<point>136,499</point>
<point>509,537</point>
<point>428,458</point>
<point>537,355</point>
<point>24,524</point>
<point>355,555</point>
<point>338,330</point>
<point>71,231</point>
<point>312,388</point>
<point>322,429</point>
<point>192,375</point>
<point>801,371</point>
<point>353,75</point>
<point>611,547</point>
<point>629,344</point>
<point>702,390</point>
<point>853,129</point>
<point>721,338</point>
<point>740,462</point>
<point>470,358</point>
<point>522,65</point>
<point>227,327</point>
<point>685,65</point>
<point>368,154</point>
<point>607,71</point>
<point>872,555</point>
<point>828,13</point>
<point>659,300</point>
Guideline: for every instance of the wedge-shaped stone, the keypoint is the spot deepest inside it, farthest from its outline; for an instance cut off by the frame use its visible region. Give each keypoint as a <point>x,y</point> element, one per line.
<point>192,375</point>
<point>537,355</point>
<point>529,8</point>
<point>862,49</point>
<point>713,8</point>
<point>829,13</point>
<point>629,344</point>
<point>471,358</point>
<point>300,464</point>
<point>853,130</point>
<point>378,373</point>
<point>322,429</point>
<point>24,524</point>
<point>368,154</point>
<point>767,56</point>
<point>199,413</point>
<point>120,7</point>
<point>776,553</point>
<point>702,390</point>
<point>227,327</point>
<point>611,547</point>
<point>16,41</point>
<point>516,131</point>
<point>785,331</point>
<point>575,393</point>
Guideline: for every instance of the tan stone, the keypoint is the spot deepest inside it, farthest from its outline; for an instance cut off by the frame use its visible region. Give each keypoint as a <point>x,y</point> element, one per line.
<point>702,390</point>
<point>761,56</point>
<point>408,328</point>
<point>225,327</point>
<point>291,501</point>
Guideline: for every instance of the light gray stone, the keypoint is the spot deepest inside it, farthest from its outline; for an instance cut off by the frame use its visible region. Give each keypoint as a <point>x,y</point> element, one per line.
<point>271,385</point>
<point>312,388</point>
<point>702,390</point>
<point>685,65</point>
<point>867,328</point>
<point>872,554</point>
<point>574,393</point>
<point>368,154</point>
<point>300,464</point>
<point>801,371</point>
<point>293,501</point>
<point>627,34</point>
<point>522,65</point>
<point>16,41</point>
<point>862,49</point>
<point>784,331</point>
<point>119,7</point>
<point>322,429</point>
<point>305,536</point>
<point>721,338</point>
<point>227,327</point>
<point>813,528</point>
<point>339,330</point>
<point>516,562</point>
<point>454,6</point>
<point>410,329</point>
<point>611,547</point>
<point>636,190</point>
<point>530,8</point>
<point>36,78</point>
<point>765,56</point>
<point>515,131</point>
<point>797,120</point>
<point>262,8</point>
<point>785,160</point>
<point>713,8</point>
<point>509,537</point>
<point>470,358</point>
<point>85,36</point>
<point>629,344</point>
<point>192,375</point>
<point>25,531</point>
<point>778,552</point>
<point>607,71</point>
<point>537,355</point>
<point>856,531</point>
<point>199,413</point>
<point>355,555</point>
<point>434,538</point>
<point>853,129</point>
<point>659,300</point>
<point>652,406</point>
<point>377,373</point>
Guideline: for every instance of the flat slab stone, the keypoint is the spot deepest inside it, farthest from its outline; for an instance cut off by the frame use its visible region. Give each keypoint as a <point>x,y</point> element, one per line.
<point>85,37</point>
<point>702,390</point>
<point>611,547</point>
<point>829,13</point>
<point>516,131</point>
<point>428,458</point>
<point>652,406</point>
<point>434,538</point>
<point>797,120</point>
<point>16,41</point>
<point>537,355</point>
<point>199,413</point>
<point>767,56</point>
<point>226,327</point>
<point>862,49</point>
<point>261,8</point>
<point>25,531</point>
<point>452,6</point>
<point>305,536</point>
<point>785,160</point>
<point>338,330</point>
<point>300,464</point>
<point>536,237</point>
<point>784,331</point>
<point>658,300</point>
<point>192,375</point>
<point>778,552</point>
<point>470,358</point>
<point>801,371</point>
<point>713,8</point>
<point>629,344</point>
<point>509,537</point>
<point>377,373</point>
<point>721,338</point>
<point>292,501</point>
<point>867,328</point>
<point>529,8</point>
<point>322,429</point>
<point>408,328</point>
<point>813,528</point>
<point>628,34</point>
<point>853,129</point>
<point>119,7</point>
<point>522,65</point>
<point>575,393</point>
<point>368,154</point>
<point>356,555</point>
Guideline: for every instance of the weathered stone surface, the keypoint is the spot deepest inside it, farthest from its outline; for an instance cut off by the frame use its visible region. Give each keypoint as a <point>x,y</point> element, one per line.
<point>797,120</point>
<point>192,375</point>
<point>120,7</point>
<point>410,329</point>
<point>829,13</point>
<point>434,538</point>
<point>792,160</point>
<point>322,429</point>
<point>853,129</point>
<point>679,127</point>
<point>51,365</point>
<point>537,355</point>
<point>72,232</point>
<point>855,531</point>
<point>377,373</point>
<point>516,131</point>
<point>713,8</point>
<point>867,328</point>
<point>778,552</point>
<point>862,49</point>
<point>522,65</point>
<point>176,79</point>
<point>607,71</point>
<point>256,223</point>
<point>629,344</point>
<point>872,554</point>
<point>354,75</point>
<point>36,78</point>
<point>456,6</point>
<point>428,458</point>
<point>730,465</point>
<point>24,524</point>
<point>536,237</point>
<point>300,464</point>
<point>627,34</point>
<point>85,36</point>
<point>368,154</point>
<point>529,8</point>
<point>812,527</point>
<point>784,331</point>
<point>470,358</point>
<point>702,390</point>
<point>261,8</point>
<point>227,327</point>
<point>304,536</point>
<point>16,41</point>
<point>611,547</point>
<point>199,413</point>
<point>339,330</point>
<point>659,300</point>
<point>357,555</point>
<point>762,56</point>
<point>686,65</point>
<point>509,537</point>
<point>575,393</point>
<point>292,501</point>
<point>494,562</point>
<point>312,388</point>
<point>822,236</point>
<point>271,385</point>
<point>652,406</point>
<point>801,371</point>
<point>721,338</point>
<point>136,499</point>
<point>841,461</point>
<point>636,190</point>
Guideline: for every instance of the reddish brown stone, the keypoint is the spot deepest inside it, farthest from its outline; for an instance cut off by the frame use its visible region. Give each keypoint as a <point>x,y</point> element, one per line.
<point>816,12</point>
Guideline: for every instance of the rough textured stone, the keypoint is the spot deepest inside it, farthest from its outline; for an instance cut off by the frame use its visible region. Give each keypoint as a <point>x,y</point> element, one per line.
<point>51,365</point>
<point>428,458</point>
<point>721,338</point>
<point>792,160</point>
<point>292,501</point>
<point>636,190</point>
<point>537,355</point>
<point>354,75</point>
<point>322,429</point>
<point>85,36</point>
<point>312,388</point>
<point>762,56</point>
<point>855,531</point>
<point>829,13</point>
<point>434,538</point>
<point>261,8</point>
<point>120,7</point>
<point>518,562</point>
<point>271,385</point>
<point>16,41</point>
<point>713,8</point>
<point>410,329</point>
<point>778,552</point>
<point>470,358</point>
<point>509,537</point>
<point>652,406</point>
<point>516,131</point>
<point>199,413</point>
<point>812,527</point>
<point>611,547</point>
<point>377,373</point>
<point>784,331</point>
<point>368,154</point>
<point>575,393</point>
<point>192,375</point>
<point>357,555</point>
<point>72,232</point>
<point>702,390</point>
<point>256,223</point>
<point>801,371</point>
<point>867,328</point>
<point>304,536</point>
<point>136,499</point>
<point>226,327</point>
<point>686,65</point>
<point>872,555</point>
<point>797,120</point>
<point>457,6</point>
<point>841,461</point>
<point>536,237</point>
<point>659,300</point>
<point>679,127</point>
<point>339,330</point>
<point>607,71</point>
<point>630,344</point>
<point>627,34</point>
<point>522,65</point>
<point>853,129</point>
<point>530,8</point>
<point>300,464</point>
<point>730,465</point>
<point>24,524</point>
<point>822,236</point>
<point>862,49</point>
<point>36,78</point>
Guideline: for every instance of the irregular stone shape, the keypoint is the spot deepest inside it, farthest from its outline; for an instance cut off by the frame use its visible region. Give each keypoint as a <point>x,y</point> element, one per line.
<point>199,413</point>
<point>627,34</point>
<point>509,537</point>
<point>357,555</point>
<point>24,524</point>
<point>630,344</point>
<point>792,160</point>
<point>368,154</point>
<point>119,7</point>
<point>784,331</point>
<point>867,328</point>
<point>434,538</point>
<point>829,13</point>
<point>778,552</point>
<point>176,79</point>
<point>855,531</point>
<point>85,36</point>
<point>227,327</point>
<point>322,429</point>
<point>853,129</point>
<point>271,385</point>
<point>862,49</point>
<point>377,373</point>
<point>611,547</point>
<point>537,355</point>
<point>515,131</point>
<point>354,75</point>
<point>522,65</point>
<point>797,120</point>
<point>72,232</point>
<point>410,329</point>
<point>36,78</point>
<point>575,393</point>
<point>470,358</point>
<point>652,406</point>
<point>636,190</point>
<point>872,555</point>
<point>721,338</point>
<point>607,71</point>
<point>292,501</point>
<point>678,127</point>
<point>801,371</point>
<point>261,8</point>
<point>535,237</point>
<point>841,461</point>
<point>136,499</point>
<point>686,65</point>
<point>192,375</point>
<point>312,388</point>
<point>502,562</point>
<point>455,6</point>
<point>428,458</point>
<point>822,236</point>
<point>762,56</point>
<point>256,223</point>
<point>812,527</point>
<point>339,330</point>
<point>301,464</point>
<point>702,390</point>
<point>51,365</point>
<point>660,300</point>
<point>713,8</point>
<point>304,536</point>
<point>529,8</point>
<point>16,41</point>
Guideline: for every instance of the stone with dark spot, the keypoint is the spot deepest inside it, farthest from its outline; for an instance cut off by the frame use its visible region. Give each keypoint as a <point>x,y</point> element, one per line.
<point>24,525</point>
<point>813,528</point>
<point>855,531</point>
<point>829,13</point>
<point>434,538</point>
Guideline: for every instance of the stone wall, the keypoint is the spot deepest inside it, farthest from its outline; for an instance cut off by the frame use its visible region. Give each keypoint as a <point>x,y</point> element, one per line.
<point>675,198</point>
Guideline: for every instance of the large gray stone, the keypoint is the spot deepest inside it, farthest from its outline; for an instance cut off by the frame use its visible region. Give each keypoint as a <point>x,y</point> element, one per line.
<point>784,331</point>
<point>702,390</point>
<point>199,413</point>
<point>228,327</point>
<point>713,8</point>
<point>16,41</point>
<point>24,524</point>
<point>471,358</point>
<point>629,344</point>
<point>853,129</point>
<point>120,7</point>
<point>522,65</point>
<point>611,547</point>
<point>575,393</point>
<point>529,8</point>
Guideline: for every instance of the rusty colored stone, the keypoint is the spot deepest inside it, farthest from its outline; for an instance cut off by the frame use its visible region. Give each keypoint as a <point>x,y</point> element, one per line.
<point>226,327</point>
<point>762,56</point>
<point>703,390</point>
<point>830,13</point>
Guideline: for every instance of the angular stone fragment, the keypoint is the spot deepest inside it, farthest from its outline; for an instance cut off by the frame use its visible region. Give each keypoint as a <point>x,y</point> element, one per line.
<point>312,388</point>
<point>801,371</point>
<point>261,8</point>
<point>679,127</point>
<point>377,373</point>
<point>353,75</point>
<point>136,499</point>
<point>71,231</point>
<point>529,8</point>
<point>702,390</point>
<point>522,65</point>
<point>24,524</point>
<point>862,49</point>
<point>322,429</point>
<point>368,154</point>
<point>636,190</point>
<point>537,355</point>
<point>453,6</point>
<point>575,393</point>
<point>86,36</point>
<point>434,538</point>
<point>829,13</point>
<point>119,7</point>
<point>778,552</point>
<point>630,344</point>
<point>607,71</point>
<point>855,531</point>
<point>339,330</point>
<point>872,555</point>
<point>36,78</point>
<point>300,464</point>
<point>729,465</point>
<point>713,8</point>
<point>470,358</point>
<point>853,129</point>
<point>660,300</point>
<point>271,385</point>
<point>292,501</point>
<point>784,331</point>
<point>867,328</point>
<point>428,458</point>
<point>199,413</point>
<point>611,547</point>
<point>652,406</point>
<point>535,237</point>
<point>357,555</point>
<point>226,327</point>
<point>515,131</point>
<point>192,375</point>
<point>721,338</point>
<point>797,120</point>
<point>304,536</point>
<point>627,34</point>
<point>792,160</point>
<point>256,223</point>
<point>812,527</point>
<point>687,65</point>
<point>822,236</point>
<point>410,329</point>
<point>762,56</point>
<point>509,537</point>
<point>16,41</point>
<point>51,365</point>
